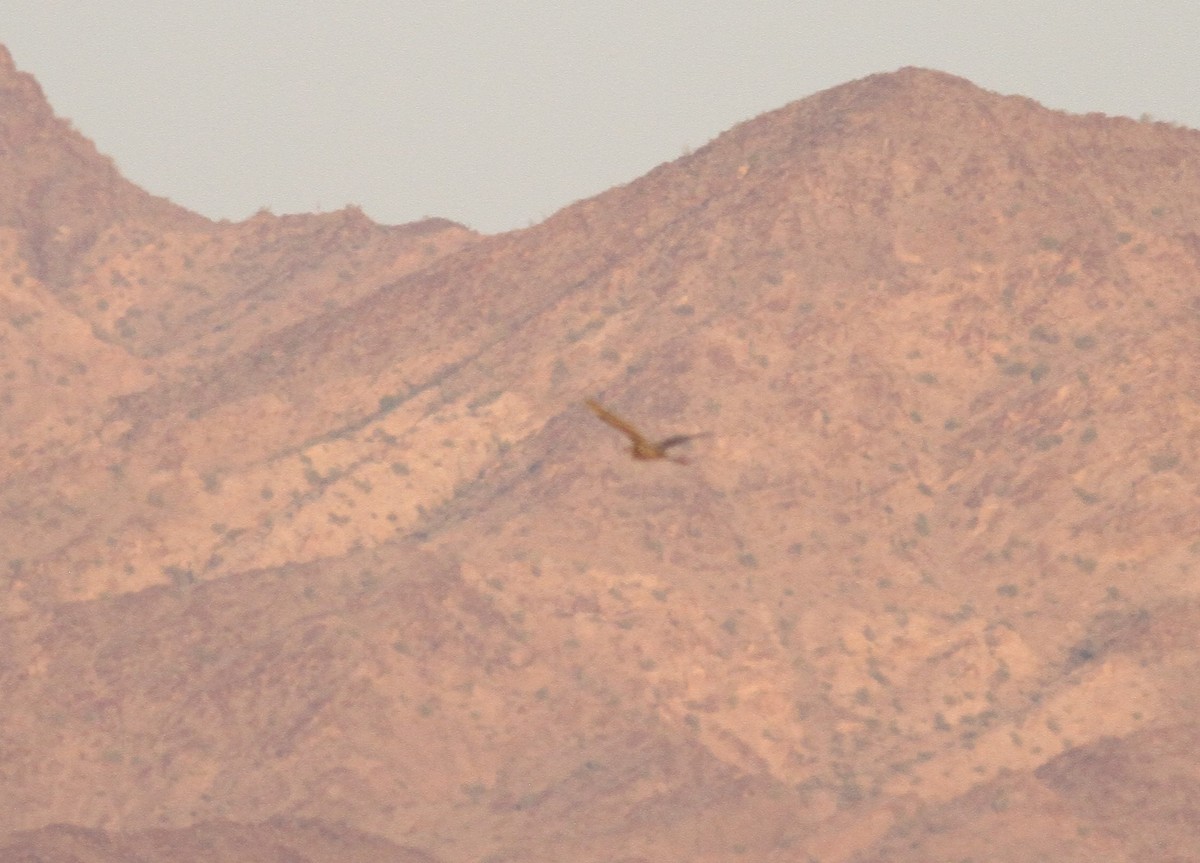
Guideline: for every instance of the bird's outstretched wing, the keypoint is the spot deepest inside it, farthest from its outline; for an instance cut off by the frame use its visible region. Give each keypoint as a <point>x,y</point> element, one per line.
<point>676,440</point>
<point>616,422</point>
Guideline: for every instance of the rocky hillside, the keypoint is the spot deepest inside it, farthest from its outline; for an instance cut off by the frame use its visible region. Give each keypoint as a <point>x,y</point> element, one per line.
<point>306,524</point>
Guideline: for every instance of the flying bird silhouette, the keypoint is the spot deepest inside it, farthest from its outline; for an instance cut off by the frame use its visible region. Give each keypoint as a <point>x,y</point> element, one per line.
<point>641,447</point>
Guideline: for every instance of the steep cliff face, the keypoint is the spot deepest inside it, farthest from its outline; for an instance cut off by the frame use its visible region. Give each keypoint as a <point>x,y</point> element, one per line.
<point>304,516</point>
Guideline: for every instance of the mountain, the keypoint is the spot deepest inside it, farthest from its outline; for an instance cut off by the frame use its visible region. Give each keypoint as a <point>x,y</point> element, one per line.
<point>278,841</point>
<point>306,522</point>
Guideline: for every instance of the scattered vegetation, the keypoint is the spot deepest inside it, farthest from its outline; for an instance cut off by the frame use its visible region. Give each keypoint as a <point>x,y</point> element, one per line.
<point>389,403</point>
<point>1164,461</point>
<point>1048,441</point>
<point>484,400</point>
<point>1044,334</point>
<point>1086,496</point>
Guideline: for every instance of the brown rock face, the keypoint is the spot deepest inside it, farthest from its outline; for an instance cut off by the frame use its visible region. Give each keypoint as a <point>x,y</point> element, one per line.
<point>310,551</point>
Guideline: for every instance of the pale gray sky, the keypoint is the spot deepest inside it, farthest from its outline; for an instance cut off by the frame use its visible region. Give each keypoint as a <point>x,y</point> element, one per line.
<point>496,114</point>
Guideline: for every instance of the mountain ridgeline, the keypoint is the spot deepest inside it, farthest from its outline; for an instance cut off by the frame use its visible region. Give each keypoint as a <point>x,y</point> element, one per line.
<point>312,549</point>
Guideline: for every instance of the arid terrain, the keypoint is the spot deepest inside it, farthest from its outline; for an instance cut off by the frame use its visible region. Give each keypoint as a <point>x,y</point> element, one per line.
<point>311,551</point>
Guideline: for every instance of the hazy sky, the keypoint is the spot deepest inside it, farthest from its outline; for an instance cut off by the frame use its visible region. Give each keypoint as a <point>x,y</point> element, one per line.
<point>496,114</point>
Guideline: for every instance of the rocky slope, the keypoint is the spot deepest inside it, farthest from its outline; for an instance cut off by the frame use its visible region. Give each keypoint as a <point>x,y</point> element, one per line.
<point>304,517</point>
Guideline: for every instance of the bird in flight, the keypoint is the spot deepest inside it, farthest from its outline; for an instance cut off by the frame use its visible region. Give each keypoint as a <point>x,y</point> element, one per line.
<point>641,447</point>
